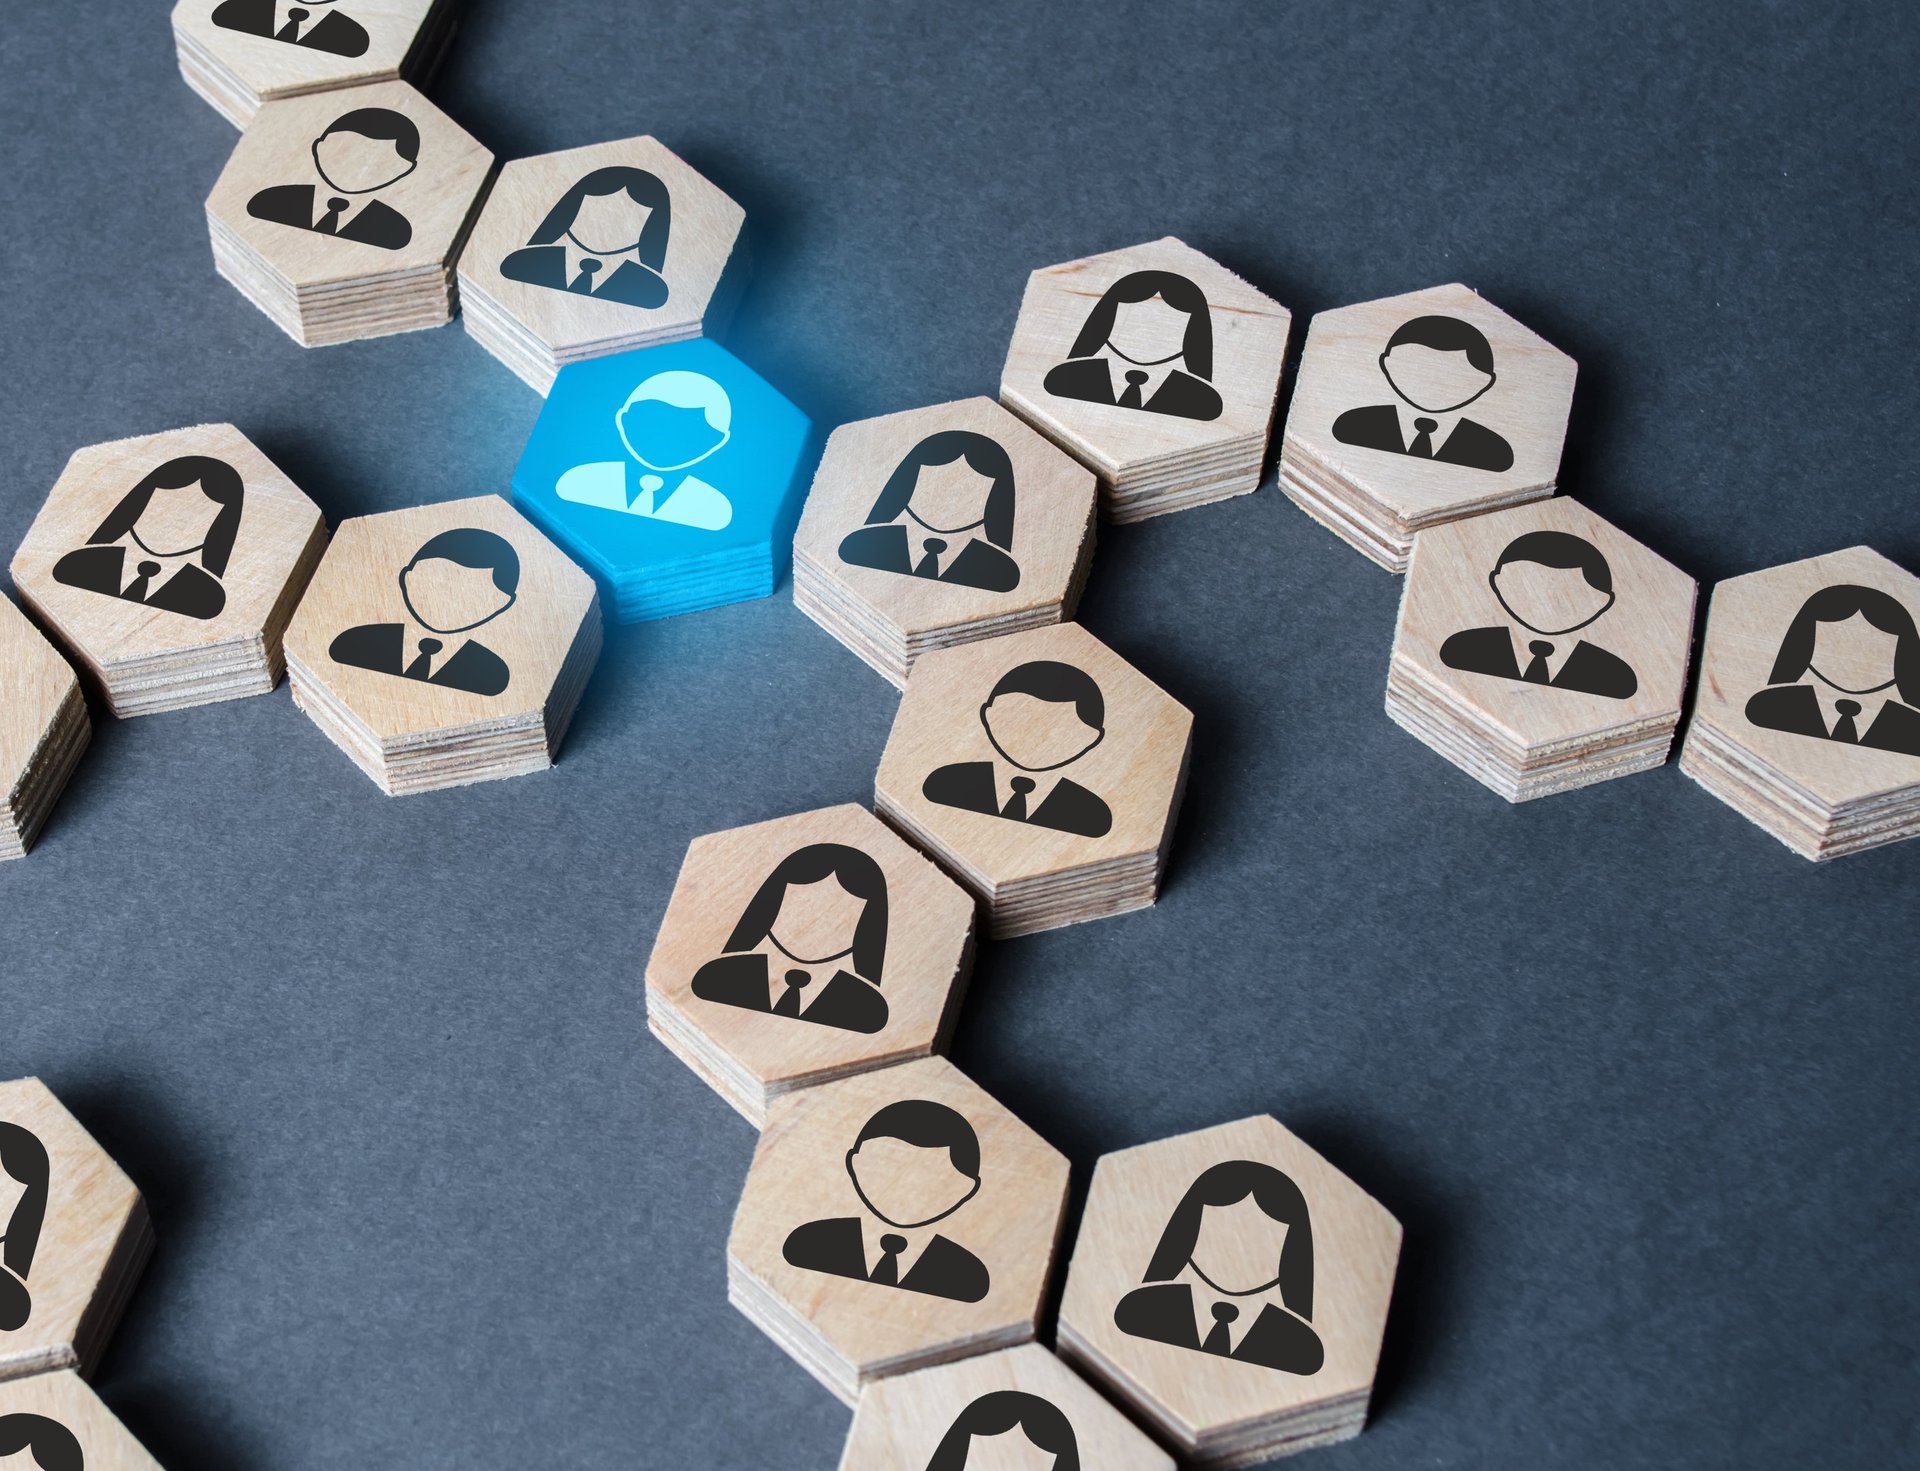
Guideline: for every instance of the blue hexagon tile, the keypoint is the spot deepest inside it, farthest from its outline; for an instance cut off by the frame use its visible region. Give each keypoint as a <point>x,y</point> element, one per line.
<point>672,474</point>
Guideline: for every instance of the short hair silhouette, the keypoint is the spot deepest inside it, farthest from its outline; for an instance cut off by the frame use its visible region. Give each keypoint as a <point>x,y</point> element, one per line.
<point>930,1126</point>
<point>996,1413</point>
<point>472,547</point>
<point>1048,679</point>
<point>1837,603</point>
<point>857,873</point>
<point>638,185</point>
<point>219,481</point>
<point>380,122</point>
<point>1196,349</point>
<point>1446,334</point>
<point>1560,549</point>
<point>24,1158</point>
<point>983,455</point>
<point>50,1443</point>
<point>1229,1184</point>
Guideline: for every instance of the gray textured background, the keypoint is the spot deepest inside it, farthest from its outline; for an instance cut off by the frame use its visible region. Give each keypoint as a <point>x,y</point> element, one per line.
<point>1639,1082</point>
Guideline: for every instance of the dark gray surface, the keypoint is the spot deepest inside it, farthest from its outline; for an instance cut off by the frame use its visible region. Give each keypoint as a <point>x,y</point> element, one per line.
<point>1639,1082</point>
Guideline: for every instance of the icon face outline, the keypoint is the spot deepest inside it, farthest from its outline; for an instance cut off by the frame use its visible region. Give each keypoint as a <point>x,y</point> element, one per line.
<point>48,1443</point>
<point>375,223</point>
<point>632,274</point>
<point>1455,360</point>
<point>984,561</point>
<point>667,397</point>
<point>1098,370</point>
<point>1792,700</point>
<point>473,667</point>
<point>999,1411</point>
<point>28,1170</point>
<point>190,588</point>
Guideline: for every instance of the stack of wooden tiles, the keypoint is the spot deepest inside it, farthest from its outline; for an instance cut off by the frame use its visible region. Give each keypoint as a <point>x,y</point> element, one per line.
<point>236,70</point>
<point>43,730</point>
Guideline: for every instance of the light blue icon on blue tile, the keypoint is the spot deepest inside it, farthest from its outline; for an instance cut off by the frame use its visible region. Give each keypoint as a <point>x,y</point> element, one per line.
<point>671,473</point>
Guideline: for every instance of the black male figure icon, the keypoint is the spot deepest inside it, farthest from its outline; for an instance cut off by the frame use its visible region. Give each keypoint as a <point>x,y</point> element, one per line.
<point>1040,717</point>
<point>1848,670</point>
<point>49,1445</point>
<point>361,152</point>
<point>823,910</point>
<point>458,581</point>
<point>177,527</point>
<point>1551,583</point>
<point>1241,1236</point>
<point>332,31</point>
<point>1436,366</point>
<point>914,1164</point>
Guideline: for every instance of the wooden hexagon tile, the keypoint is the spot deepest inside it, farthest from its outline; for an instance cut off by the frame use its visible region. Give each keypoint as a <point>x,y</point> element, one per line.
<point>596,251</point>
<point>1807,718</point>
<point>444,644</point>
<point>806,949</point>
<point>240,53</point>
<point>1156,366</point>
<point>43,729</point>
<point>941,526</point>
<point>53,1422</point>
<point>892,1221</point>
<point>339,214</point>
<point>73,1237</point>
<point>1231,1287</point>
<point>1043,770</point>
<point>1420,409</point>
<point>1541,649</point>
<point>1019,1408</point>
<point>170,565</point>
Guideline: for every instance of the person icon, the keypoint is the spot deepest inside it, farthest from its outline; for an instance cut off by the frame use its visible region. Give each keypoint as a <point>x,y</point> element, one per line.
<point>606,238</point>
<point>1001,1412</point>
<point>822,912</point>
<point>1848,670</point>
<point>953,495</point>
<point>670,423</point>
<point>24,1174</point>
<point>914,1164</point>
<point>457,582</point>
<point>1148,345</point>
<point>332,31</point>
<point>166,543</point>
<point>49,1445</point>
<point>1040,717</point>
<point>1436,366</point>
<point>1239,1237</point>
<point>1551,583</point>
<point>361,152</point>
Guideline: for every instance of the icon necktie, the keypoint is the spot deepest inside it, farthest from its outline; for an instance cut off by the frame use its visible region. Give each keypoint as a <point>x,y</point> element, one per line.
<point>1423,441</point>
<point>929,565</point>
<point>137,589</point>
<point>589,273</point>
<point>296,17</point>
<point>422,666</point>
<point>789,1002</point>
<point>1536,670</point>
<point>330,221</point>
<point>1220,1335</point>
<point>1844,729</point>
<point>886,1271</point>
<point>1016,807</point>
<point>1130,395</point>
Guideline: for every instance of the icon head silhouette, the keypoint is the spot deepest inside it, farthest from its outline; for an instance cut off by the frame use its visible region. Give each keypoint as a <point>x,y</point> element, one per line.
<point>1148,318</point>
<point>1552,582</point>
<point>24,1173</point>
<point>674,420</point>
<point>1044,715</point>
<point>49,1444</point>
<point>460,579</point>
<point>610,212</point>
<point>914,1163</point>
<point>950,482</point>
<point>189,504</point>
<point>1857,640</point>
<point>1242,1228</point>
<point>366,150</point>
<point>1438,364</point>
<point>1001,1412</point>
<point>822,902</point>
